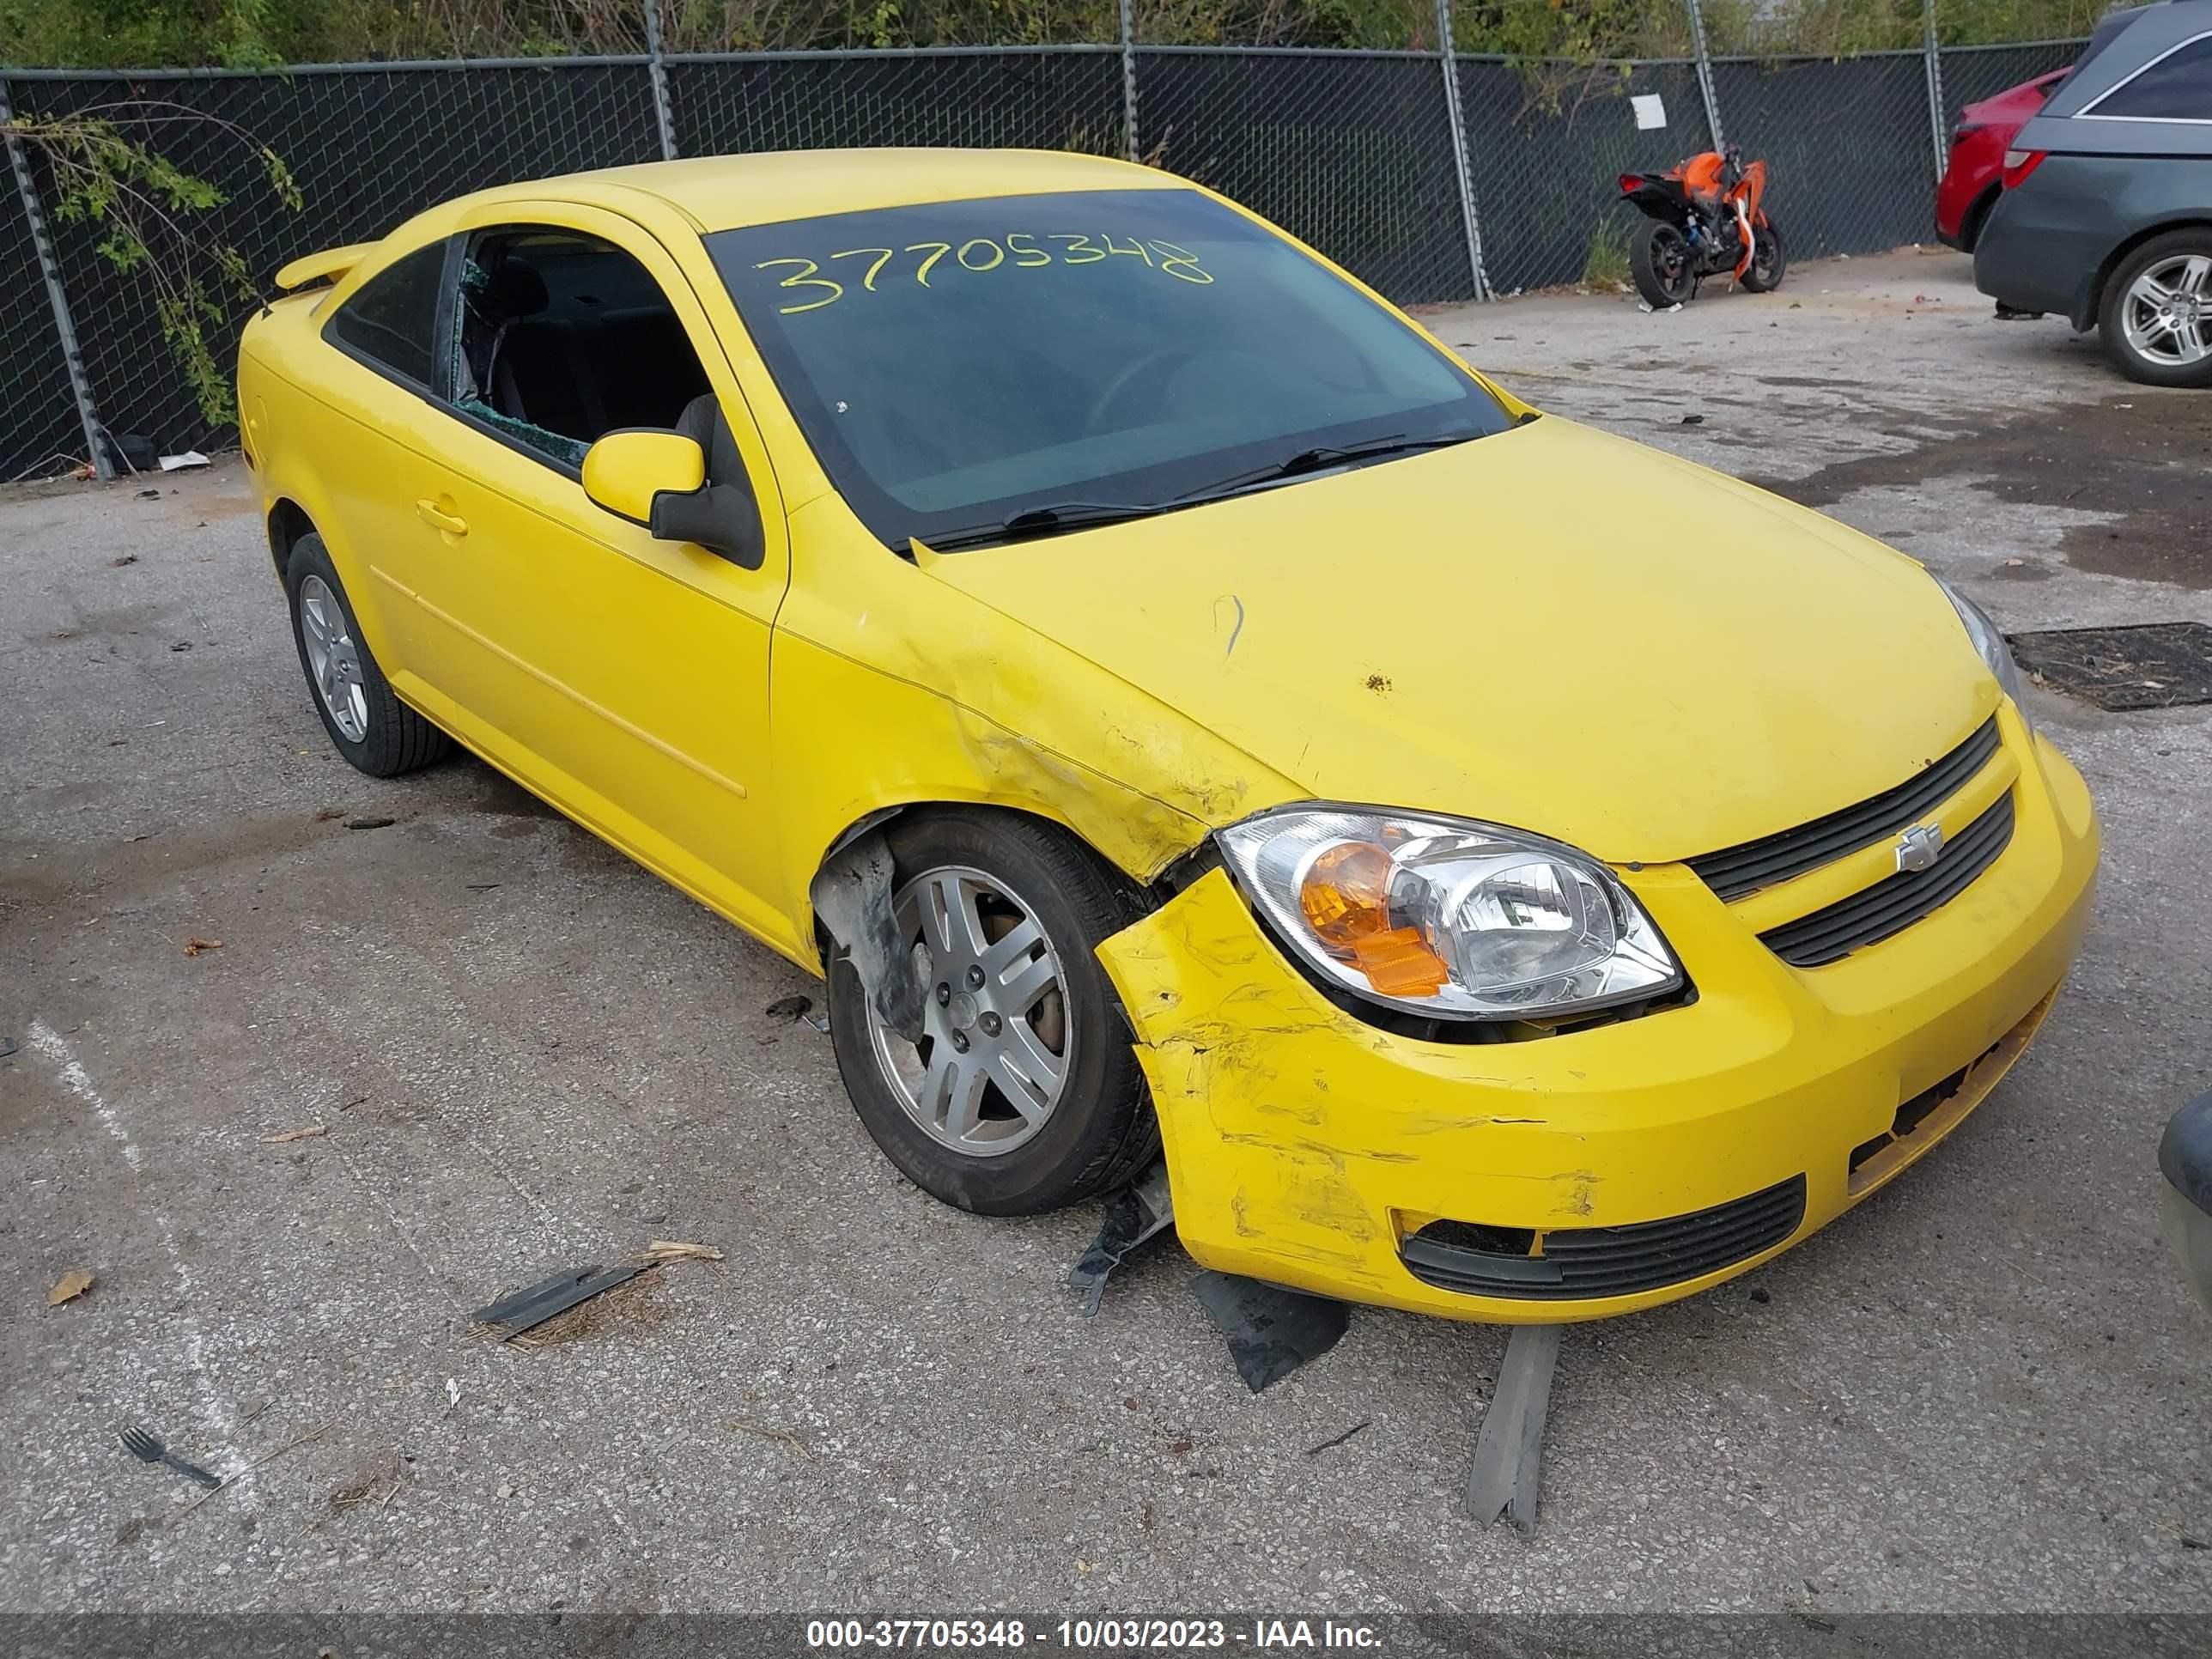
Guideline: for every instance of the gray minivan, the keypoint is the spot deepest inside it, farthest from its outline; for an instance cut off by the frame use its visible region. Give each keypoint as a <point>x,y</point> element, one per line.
<point>2107,214</point>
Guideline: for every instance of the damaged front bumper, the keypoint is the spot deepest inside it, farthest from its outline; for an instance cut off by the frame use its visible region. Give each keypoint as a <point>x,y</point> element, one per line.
<point>1599,1171</point>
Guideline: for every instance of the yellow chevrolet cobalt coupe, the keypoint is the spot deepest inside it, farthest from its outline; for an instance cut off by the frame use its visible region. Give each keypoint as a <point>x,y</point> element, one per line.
<point>1512,874</point>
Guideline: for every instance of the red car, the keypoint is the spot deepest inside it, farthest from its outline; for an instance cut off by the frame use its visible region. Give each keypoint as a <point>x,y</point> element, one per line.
<point>1972,180</point>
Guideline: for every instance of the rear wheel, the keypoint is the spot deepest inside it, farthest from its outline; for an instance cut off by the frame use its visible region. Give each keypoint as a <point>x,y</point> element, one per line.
<point>2156,319</point>
<point>1770,258</point>
<point>1659,258</point>
<point>1023,1094</point>
<point>1970,228</point>
<point>366,722</point>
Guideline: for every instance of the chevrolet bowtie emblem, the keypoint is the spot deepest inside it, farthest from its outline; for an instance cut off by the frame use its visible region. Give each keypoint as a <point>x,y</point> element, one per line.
<point>1918,847</point>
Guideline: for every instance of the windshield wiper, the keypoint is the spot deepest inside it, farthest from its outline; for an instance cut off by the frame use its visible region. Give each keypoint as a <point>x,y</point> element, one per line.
<point>1083,515</point>
<point>1042,521</point>
<point>1325,455</point>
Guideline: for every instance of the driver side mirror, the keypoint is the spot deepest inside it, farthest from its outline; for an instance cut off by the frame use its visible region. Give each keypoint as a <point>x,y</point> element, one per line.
<point>659,479</point>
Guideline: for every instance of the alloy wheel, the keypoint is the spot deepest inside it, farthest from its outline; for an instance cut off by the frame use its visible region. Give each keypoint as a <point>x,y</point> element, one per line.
<point>2166,312</point>
<point>333,659</point>
<point>996,1049</point>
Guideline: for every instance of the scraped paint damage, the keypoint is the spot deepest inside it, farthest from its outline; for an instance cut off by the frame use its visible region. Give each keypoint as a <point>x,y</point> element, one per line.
<point>1275,1171</point>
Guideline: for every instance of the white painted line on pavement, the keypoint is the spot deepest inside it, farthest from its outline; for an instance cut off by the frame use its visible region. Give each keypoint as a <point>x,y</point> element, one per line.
<point>215,1415</point>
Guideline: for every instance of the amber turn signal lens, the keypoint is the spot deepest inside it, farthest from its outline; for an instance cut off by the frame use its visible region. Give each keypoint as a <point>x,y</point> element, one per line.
<point>1345,899</point>
<point>1344,896</point>
<point>1398,964</point>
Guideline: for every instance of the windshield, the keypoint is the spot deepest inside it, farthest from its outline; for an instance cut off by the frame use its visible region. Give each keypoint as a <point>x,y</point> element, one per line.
<point>958,363</point>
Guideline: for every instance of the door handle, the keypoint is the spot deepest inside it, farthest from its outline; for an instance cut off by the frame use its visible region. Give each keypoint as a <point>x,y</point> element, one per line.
<point>431,514</point>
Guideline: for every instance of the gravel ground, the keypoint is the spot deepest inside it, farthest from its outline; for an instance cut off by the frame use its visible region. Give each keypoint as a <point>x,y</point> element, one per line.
<point>1983,1390</point>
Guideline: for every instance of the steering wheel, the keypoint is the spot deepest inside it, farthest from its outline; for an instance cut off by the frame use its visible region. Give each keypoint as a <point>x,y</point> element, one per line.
<point>1148,372</point>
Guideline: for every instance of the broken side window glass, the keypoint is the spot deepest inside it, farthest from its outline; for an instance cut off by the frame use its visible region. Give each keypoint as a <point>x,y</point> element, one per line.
<point>560,338</point>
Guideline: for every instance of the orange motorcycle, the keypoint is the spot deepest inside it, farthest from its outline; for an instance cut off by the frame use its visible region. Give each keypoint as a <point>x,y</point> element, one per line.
<point>1701,218</point>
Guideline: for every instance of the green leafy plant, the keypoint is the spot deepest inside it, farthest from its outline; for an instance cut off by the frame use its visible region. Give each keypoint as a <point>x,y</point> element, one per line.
<point>1607,264</point>
<point>253,33</point>
<point>147,212</point>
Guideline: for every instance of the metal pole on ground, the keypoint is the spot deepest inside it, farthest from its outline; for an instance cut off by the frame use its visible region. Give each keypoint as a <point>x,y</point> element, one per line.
<point>1464,177</point>
<point>1934,60</point>
<point>656,69</point>
<point>1129,79</point>
<point>1706,72</point>
<point>80,383</point>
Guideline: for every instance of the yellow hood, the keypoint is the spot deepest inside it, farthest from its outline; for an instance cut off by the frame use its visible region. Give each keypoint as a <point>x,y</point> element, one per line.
<point>1551,628</point>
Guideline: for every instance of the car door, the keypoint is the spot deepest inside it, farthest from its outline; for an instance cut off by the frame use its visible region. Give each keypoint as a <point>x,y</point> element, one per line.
<point>377,401</point>
<point>623,678</point>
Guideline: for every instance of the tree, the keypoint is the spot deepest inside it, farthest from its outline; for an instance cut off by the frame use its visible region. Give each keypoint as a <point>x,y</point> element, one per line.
<point>146,212</point>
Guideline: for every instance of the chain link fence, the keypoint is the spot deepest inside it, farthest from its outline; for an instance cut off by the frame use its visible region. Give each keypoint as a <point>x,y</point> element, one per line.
<point>1547,143</point>
<point>1851,167</point>
<point>368,147</point>
<point>1974,73</point>
<point>1350,152</point>
<point>39,430</point>
<point>989,98</point>
<point>1357,153</point>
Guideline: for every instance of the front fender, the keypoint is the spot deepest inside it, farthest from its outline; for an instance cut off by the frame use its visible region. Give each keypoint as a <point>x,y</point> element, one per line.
<point>891,687</point>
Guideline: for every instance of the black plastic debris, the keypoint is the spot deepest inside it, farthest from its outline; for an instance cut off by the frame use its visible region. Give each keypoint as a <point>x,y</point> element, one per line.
<point>370,823</point>
<point>130,452</point>
<point>851,897</point>
<point>511,1315</point>
<point>1271,1331</point>
<point>2148,666</point>
<point>1509,1454</point>
<point>149,1448</point>
<point>1133,1215</point>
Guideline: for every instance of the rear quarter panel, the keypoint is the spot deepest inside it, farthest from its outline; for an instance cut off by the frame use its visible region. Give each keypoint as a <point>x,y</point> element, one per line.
<point>293,432</point>
<point>2050,241</point>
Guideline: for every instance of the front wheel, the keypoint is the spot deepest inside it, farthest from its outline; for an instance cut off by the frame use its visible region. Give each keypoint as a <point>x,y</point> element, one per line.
<point>1770,258</point>
<point>2156,319</point>
<point>1659,258</point>
<point>1023,1094</point>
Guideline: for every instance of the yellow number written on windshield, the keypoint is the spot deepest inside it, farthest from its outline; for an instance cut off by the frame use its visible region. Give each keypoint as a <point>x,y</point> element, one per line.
<point>878,268</point>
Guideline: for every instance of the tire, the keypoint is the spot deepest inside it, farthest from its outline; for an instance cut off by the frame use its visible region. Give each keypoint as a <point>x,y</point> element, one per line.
<point>1098,1132</point>
<point>1767,268</point>
<point>367,723</point>
<point>1659,258</point>
<point>1977,215</point>
<point>2180,261</point>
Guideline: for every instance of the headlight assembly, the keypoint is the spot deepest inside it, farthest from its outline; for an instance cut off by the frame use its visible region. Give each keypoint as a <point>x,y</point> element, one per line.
<point>1445,917</point>
<point>1991,644</point>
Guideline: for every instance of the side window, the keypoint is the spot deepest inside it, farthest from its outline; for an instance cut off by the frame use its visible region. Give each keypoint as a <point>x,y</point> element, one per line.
<point>560,338</point>
<point>392,320</point>
<point>2175,87</point>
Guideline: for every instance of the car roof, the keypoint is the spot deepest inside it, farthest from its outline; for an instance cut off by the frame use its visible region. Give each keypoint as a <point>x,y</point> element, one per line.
<point>723,193</point>
<point>2122,45</point>
<point>2149,30</point>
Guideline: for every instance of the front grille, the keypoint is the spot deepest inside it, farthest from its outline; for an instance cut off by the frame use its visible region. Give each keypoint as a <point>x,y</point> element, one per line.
<point>1736,871</point>
<point>1581,1262</point>
<point>1891,905</point>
